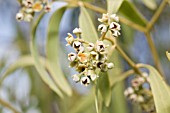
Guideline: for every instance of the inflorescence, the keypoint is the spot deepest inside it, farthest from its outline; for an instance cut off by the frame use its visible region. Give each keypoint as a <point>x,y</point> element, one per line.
<point>91,58</point>
<point>29,7</point>
<point>140,93</point>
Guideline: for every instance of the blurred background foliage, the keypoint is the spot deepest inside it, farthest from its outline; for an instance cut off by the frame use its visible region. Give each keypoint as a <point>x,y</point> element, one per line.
<point>25,90</point>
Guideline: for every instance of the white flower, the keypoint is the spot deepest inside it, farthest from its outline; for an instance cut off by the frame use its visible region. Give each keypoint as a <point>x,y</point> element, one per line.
<point>100,46</point>
<point>72,56</point>
<point>129,91</point>
<point>115,33</point>
<point>133,97</point>
<point>94,55</point>
<point>141,80</point>
<point>69,39</point>
<point>102,28</point>
<point>92,75</point>
<point>105,18</point>
<point>114,17</point>
<point>47,8</point>
<point>140,99</point>
<point>76,44</point>
<point>90,47</point>
<point>37,6</point>
<point>76,78</point>
<point>77,31</point>
<point>85,81</point>
<point>28,10</point>
<point>27,3</point>
<point>28,17</point>
<point>19,16</point>
<point>110,65</point>
<point>145,75</point>
<point>114,25</point>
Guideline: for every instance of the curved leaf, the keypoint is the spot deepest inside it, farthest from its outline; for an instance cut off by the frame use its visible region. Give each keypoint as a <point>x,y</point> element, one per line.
<point>128,10</point>
<point>40,68</point>
<point>168,55</point>
<point>113,5</point>
<point>53,48</point>
<point>160,90</point>
<point>151,4</point>
<point>88,30</point>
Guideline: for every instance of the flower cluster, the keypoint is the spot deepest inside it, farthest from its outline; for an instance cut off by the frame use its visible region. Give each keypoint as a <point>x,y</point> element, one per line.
<point>29,7</point>
<point>109,22</point>
<point>88,59</point>
<point>140,94</point>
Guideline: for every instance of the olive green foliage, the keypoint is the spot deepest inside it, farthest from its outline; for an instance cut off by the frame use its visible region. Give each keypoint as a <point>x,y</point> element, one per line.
<point>108,94</point>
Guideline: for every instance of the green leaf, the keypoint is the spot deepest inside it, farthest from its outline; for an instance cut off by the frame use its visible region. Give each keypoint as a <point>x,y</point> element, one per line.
<point>113,5</point>
<point>104,87</point>
<point>160,90</point>
<point>118,104</point>
<point>129,11</point>
<point>21,62</point>
<point>151,4</point>
<point>40,68</point>
<point>88,30</point>
<point>53,47</point>
<point>168,55</point>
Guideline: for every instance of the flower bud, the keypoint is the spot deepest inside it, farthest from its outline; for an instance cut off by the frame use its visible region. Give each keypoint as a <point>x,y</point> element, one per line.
<point>114,17</point>
<point>77,31</point>
<point>140,99</point>
<point>69,39</point>
<point>76,78</point>
<point>133,97</point>
<point>110,65</point>
<point>90,47</point>
<point>105,18</point>
<point>47,8</point>
<point>19,16</point>
<point>72,56</point>
<point>85,81</point>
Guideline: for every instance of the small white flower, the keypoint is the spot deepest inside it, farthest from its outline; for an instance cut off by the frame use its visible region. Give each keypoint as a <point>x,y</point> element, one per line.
<point>90,47</point>
<point>141,80</point>
<point>145,75</point>
<point>115,32</point>
<point>47,8</point>
<point>72,56</point>
<point>102,28</point>
<point>77,31</point>
<point>133,97</point>
<point>81,49</point>
<point>92,75</point>
<point>114,17</point>
<point>76,78</point>
<point>100,46</point>
<point>94,55</point>
<point>114,25</point>
<point>129,91</point>
<point>27,3</point>
<point>76,44</point>
<point>28,17</point>
<point>105,18</point>
<point>28,10</point>
<point>69,39</point>
<point>140,99</point>
<point>110,65</point>
<point>19,16</point>
<point>85,81</point>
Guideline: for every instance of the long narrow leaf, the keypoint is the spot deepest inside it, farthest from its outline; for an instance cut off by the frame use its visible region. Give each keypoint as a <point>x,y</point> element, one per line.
<point>40,68</point>
<point>87,26</point>
<point>113,5</point>
<point>53,48</point>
